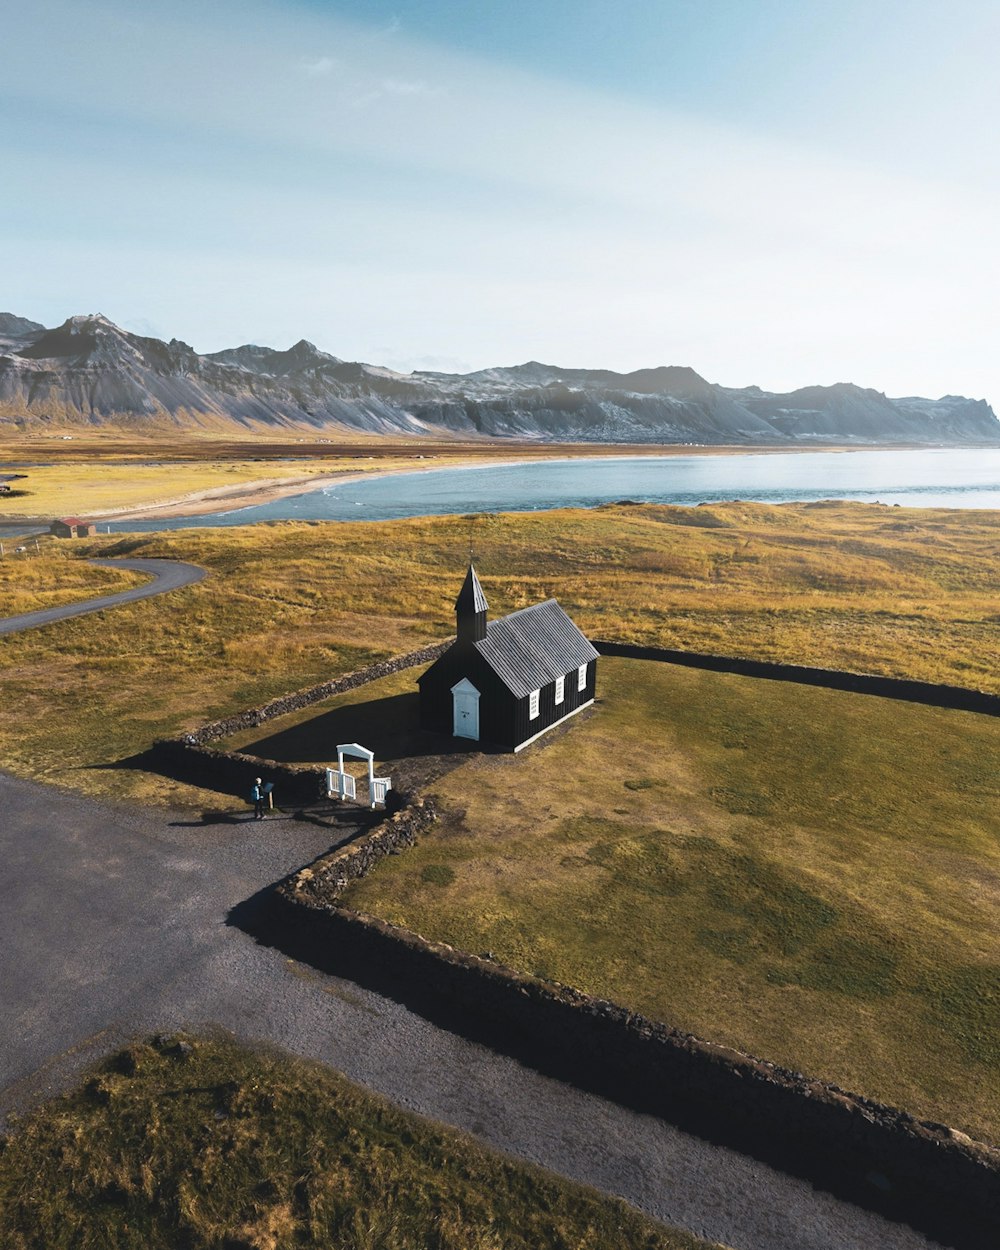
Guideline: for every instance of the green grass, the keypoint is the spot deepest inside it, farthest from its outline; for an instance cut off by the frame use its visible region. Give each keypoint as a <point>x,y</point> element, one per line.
<point>808,875</point>
<point>208,1146</point>
<point>291,604</point>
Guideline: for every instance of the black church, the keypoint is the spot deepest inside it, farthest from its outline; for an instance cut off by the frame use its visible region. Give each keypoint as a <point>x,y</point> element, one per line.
<point>506,682</point>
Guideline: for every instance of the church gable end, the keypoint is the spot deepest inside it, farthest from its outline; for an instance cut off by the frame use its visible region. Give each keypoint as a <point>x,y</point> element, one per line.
<point>531,670</point>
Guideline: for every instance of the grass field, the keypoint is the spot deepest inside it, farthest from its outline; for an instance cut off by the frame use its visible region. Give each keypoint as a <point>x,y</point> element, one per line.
<point>290,604</point>
<point>205,1145</point>
<point>98,488</point>
<point>53,577</point>
<point>807,875</point>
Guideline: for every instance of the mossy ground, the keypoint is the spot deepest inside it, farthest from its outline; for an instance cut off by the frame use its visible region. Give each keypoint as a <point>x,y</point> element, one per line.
<point>808,875</point>
<point>208,1146</point>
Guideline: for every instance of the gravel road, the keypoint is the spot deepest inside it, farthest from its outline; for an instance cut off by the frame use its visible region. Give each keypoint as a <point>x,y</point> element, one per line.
<point>167,575</point>
<point>114,922</point>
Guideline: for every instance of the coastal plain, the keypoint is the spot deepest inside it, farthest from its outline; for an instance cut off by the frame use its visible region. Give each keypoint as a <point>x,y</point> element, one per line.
<point>804,874</point>
<point>286,605</point>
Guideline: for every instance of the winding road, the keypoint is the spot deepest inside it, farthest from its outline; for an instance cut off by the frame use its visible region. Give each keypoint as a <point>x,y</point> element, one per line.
<point>114,922</point>
<point>166,574</point>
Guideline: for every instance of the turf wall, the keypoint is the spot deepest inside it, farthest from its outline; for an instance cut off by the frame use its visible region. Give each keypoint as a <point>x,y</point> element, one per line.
<point>828,678</point>
<point>189,758</point>
<point>924,1174</point>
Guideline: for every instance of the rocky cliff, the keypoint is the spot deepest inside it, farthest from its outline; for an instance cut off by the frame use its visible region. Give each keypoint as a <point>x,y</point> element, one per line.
<point>88,370</point>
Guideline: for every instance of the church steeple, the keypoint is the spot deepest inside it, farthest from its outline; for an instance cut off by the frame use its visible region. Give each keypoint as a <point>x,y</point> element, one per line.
<point>470,609</point>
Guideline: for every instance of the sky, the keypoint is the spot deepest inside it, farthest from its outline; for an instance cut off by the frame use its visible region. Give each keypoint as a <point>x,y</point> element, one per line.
<point>779,192</point>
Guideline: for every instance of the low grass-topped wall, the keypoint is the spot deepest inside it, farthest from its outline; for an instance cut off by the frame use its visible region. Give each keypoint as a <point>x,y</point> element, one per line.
<point>189,758</point>
<point>919,1172</point>
<point>299,699</point>
<point>929,693</point>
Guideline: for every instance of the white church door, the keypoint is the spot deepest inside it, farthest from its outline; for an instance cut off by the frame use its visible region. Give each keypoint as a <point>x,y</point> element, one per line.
<point>465,710</point>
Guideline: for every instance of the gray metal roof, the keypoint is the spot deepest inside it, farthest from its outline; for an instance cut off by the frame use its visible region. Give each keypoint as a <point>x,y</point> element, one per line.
<point>534,646</point>
<point>471,597</point>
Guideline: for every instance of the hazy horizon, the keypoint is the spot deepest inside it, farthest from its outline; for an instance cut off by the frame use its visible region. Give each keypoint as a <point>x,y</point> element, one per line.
<point>778,194</point>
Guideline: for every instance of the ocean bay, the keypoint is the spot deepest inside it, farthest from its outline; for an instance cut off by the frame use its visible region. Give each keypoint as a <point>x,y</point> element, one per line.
<point>927,478</point>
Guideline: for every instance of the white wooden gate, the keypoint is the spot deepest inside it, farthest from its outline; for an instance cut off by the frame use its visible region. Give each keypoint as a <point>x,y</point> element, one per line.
<point>340,784</point>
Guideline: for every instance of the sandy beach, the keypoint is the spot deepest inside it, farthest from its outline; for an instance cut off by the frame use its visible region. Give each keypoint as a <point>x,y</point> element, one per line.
<point>268,490</point>
<point>245,495</point>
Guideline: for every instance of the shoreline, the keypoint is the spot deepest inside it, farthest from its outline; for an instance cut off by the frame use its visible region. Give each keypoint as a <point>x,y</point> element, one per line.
<point>231,498</point>
<point>235,498</point>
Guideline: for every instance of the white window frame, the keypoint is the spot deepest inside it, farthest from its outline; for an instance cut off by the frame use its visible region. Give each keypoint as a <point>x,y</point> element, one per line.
<point>581,677</point>
<point>560,689</point>
<point>533,705</point>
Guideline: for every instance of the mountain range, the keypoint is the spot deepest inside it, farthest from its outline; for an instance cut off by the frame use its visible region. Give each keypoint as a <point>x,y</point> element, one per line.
<point>90,371</point>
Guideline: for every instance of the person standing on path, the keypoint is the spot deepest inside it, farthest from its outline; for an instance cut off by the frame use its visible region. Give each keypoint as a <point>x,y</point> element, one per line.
<point>258,795</point>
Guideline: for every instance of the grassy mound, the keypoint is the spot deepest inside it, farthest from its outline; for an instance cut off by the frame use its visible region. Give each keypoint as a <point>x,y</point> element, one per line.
<point>207,1146</point>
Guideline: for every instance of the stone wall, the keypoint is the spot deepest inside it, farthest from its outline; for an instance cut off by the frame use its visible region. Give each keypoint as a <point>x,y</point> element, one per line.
<point>829,678</point>
<point>921,1173</point>
<point>232,772</point>
<point>299,699</point>
<point>188,758</point>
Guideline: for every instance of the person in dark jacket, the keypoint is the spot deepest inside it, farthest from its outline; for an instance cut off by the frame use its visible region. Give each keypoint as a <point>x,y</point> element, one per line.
<point>259,796</point>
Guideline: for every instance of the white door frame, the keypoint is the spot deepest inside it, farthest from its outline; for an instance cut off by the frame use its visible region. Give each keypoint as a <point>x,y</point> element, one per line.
<point>465,710</point>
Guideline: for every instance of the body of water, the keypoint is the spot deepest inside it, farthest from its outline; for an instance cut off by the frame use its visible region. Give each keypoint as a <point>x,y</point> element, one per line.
<point>967,478</point>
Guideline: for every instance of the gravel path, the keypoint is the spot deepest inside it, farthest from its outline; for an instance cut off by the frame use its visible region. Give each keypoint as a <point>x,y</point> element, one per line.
<point>114,922</point>
<point>167,575</point>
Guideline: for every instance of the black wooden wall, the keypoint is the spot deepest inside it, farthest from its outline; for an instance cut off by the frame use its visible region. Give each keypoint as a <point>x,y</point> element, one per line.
<point>503,719</point>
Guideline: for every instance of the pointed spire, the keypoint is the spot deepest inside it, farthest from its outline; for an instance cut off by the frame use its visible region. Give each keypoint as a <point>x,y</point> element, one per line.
<point>471,608</point>
<point>471,595</point>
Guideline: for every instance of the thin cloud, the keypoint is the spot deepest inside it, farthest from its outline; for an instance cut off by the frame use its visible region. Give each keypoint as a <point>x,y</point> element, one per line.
<point>539,218</point>
<point>362,93</point>
<point>320,66</point>
<point>400,86</point>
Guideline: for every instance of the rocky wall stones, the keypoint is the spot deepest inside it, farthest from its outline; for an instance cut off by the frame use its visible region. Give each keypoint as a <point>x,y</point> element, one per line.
<point>255,716</point>
<point>189,758</point>
<point>919,1172</point>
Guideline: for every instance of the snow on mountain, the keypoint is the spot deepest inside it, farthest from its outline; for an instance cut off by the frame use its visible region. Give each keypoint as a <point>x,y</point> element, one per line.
<point>90,370</point>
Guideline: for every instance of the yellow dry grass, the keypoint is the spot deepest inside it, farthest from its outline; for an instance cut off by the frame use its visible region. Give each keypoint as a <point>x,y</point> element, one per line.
<point>50,577</point>
<point>208,1145</point>
<point>289,604</point>
<point>101,489</point>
